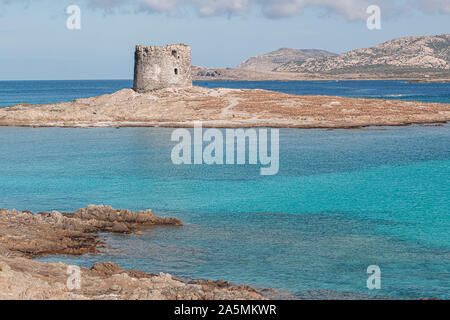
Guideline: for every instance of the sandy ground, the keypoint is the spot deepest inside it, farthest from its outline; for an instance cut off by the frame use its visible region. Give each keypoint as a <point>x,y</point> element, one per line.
<point>223,108</point>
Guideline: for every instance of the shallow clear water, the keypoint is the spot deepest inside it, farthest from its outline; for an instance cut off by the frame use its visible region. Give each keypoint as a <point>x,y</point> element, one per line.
<point>343,200</point>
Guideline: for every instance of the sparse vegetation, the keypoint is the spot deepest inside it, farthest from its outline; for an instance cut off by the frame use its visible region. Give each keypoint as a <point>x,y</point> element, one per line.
<point>405,57</point>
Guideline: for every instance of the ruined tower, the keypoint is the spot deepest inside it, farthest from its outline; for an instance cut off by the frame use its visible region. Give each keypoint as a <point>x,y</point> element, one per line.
<point>162,67</point>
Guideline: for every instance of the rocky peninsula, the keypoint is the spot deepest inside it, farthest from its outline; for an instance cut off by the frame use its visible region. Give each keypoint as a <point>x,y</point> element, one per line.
<point>181,107</point>
<point>417,58</point>
<point>24,235</point>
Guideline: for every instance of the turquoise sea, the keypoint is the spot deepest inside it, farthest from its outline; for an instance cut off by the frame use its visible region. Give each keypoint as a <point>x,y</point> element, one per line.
<point>342,201</point>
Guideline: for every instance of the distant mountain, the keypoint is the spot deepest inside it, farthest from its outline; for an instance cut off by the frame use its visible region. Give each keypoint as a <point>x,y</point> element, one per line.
<point>422,58</point>
<point>275,59</point>
<point>405,56</point>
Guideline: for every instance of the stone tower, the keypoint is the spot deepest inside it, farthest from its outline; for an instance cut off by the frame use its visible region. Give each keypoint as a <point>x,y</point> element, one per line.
<point>162,67</point>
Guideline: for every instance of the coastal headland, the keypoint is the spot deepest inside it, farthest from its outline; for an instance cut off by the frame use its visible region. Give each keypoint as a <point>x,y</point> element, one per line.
<point>24,235</point>
<point>223,108</point>
<point>416,58</point>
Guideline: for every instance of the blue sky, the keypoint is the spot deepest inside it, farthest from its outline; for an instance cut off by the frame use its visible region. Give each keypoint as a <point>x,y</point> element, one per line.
<point>35,43</point>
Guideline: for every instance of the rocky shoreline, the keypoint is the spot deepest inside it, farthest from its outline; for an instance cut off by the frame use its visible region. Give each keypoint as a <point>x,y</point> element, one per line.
<point>24,235</point>
<point>242,75</point>
<point>223,108</point>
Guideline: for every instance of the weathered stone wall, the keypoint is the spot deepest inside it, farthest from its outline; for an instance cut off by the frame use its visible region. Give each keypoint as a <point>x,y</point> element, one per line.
<point>162,67</point>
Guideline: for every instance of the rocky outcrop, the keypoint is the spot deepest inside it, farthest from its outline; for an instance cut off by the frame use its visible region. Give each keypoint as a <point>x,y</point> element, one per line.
<point>223,108</point>
<point>30,235</point>
<point>25,235</point>
<point>26,279</point>
<point>123,218</point>
<point>235,74</point>
<point>206,73</point>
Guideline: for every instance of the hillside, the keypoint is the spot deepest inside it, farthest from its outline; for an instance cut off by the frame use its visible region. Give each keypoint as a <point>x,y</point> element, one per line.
<point>272,60</point>
<point>410,56</point>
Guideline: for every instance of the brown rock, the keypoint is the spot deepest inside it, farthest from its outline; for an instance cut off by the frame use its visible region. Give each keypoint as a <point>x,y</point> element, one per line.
<point>53,232</point>
<point>26,235</point>
<point>27,279</point>
<point>120,227</point>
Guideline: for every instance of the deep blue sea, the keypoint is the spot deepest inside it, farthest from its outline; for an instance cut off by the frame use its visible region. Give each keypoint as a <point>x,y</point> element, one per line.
<point>343,199</point>
<point>39,92</point>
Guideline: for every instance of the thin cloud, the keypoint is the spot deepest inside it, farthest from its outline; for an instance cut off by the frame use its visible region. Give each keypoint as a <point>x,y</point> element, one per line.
<point>274,9</point>
<point>351,9</point>
<point>439,6</point>
<point>202,7</point>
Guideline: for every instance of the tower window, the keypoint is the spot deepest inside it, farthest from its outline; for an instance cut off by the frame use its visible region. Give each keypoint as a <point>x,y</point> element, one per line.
<point>174,53</point>
<point>176,71</point>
